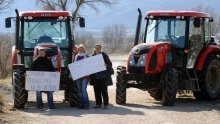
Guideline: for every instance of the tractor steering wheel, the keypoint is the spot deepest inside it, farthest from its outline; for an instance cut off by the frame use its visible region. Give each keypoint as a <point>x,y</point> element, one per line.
<point>172,38</point>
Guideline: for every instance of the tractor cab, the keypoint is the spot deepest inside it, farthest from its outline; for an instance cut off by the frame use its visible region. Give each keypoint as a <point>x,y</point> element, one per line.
<point>188,33</point>
<point>48,30</point>
<point>51,30</point>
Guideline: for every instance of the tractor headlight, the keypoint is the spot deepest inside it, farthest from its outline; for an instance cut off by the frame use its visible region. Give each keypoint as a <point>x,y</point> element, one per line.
<point>131,60</point>
<point>142,60</point>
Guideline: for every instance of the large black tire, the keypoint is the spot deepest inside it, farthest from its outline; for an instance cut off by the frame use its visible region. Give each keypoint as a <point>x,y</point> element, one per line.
<point>66,95</point>
<point>121,86</point>
<point>19,92</point>
<point>156,93</point>
<point>170,86</point>
<point>209,80</point>
<point>74,99</point>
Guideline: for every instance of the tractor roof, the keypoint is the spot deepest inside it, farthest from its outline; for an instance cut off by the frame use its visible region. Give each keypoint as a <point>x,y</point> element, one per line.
<point>45,13</point>
<point>178,13</point>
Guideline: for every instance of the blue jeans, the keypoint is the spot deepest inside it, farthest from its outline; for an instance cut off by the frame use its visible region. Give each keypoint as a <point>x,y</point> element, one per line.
<point>49,99</point>
<point>82,87</point>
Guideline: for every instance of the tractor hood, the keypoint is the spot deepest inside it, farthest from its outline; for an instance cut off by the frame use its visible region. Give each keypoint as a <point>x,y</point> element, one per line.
<point>145,47</point>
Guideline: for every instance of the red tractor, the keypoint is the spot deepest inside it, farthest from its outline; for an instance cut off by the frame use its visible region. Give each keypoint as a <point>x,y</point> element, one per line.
<point>176,54</point>
<point>51,30</point>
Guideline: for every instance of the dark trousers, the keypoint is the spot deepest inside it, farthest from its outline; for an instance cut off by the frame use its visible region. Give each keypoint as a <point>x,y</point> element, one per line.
<point>49,99</point>
<point>101,91</point>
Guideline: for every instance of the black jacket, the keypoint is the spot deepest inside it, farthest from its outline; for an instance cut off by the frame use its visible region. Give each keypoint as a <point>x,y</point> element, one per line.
<point>42,64</point>
<point>104,74</point>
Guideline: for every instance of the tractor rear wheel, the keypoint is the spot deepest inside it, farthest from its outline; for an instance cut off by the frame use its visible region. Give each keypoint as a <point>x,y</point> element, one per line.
<point>73,94</point>
<point>121,85</point>
<point>156,93</point>
<point>66,95</point>
<point>19,93</point>
<point>170,87</point>
<point>209,80</point>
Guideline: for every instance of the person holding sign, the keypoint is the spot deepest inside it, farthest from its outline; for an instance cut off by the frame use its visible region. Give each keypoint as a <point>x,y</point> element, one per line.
<point>101,80</point>
<point>75,52</point>
<point>42,63</point>
<point>82,82</point>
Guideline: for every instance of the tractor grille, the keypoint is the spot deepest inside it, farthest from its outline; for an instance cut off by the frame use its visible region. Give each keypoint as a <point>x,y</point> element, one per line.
<point>153,61</point>
<point>52,51</point>
<point>136,58</point>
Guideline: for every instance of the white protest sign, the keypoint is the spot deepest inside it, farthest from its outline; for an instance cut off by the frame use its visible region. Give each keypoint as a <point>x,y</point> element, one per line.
<point>42,81</point>
<point>87,66</point>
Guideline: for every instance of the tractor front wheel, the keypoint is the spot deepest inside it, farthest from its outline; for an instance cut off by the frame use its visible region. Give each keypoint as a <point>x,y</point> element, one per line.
<point>170,79</point>
<point>19,93</point>
<point>121,85</point>
<point>156,93</point>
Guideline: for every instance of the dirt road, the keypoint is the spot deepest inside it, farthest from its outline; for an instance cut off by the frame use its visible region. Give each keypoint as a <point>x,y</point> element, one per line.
<point>140,109</point>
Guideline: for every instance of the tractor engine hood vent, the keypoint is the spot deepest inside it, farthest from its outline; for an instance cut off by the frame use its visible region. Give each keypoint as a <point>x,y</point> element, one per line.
<point>141,49</point>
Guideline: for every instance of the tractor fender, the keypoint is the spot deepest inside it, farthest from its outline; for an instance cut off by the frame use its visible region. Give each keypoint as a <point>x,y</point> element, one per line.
<point>18,67</point>
<point>212,49</point>
<point>14,56</point>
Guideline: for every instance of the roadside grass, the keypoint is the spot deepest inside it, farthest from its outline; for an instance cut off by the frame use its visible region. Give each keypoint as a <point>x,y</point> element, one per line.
<point>4,83</point>
<point>1,102</point>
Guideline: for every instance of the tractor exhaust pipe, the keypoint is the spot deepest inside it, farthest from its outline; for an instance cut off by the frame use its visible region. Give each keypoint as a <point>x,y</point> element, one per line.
<point>17,45</point>
<point>138,28</point>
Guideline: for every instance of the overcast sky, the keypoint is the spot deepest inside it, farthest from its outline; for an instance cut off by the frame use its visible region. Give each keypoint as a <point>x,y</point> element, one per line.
<point>125,12</point>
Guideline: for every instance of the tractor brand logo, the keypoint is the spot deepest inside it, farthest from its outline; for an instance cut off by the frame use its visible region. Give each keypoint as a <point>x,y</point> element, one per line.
<point>164,14</point>
<point>45,14</point>
<point>137,51</point>
<point>162,48</point>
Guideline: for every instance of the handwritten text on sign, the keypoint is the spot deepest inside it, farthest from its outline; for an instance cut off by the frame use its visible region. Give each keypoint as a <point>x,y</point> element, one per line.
<point>87,66</point>
<point>42,81</point>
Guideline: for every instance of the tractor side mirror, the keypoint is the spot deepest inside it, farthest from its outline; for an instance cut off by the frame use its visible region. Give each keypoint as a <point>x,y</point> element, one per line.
<point>196,22</point>
<point>8,22</point>
<point>81,22</point>
<point>211,20</point>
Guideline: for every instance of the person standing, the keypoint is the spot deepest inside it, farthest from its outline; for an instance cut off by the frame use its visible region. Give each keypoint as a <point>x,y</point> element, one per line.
<point>101,80</point>
<point>75,52</point>
<point>82,82</point>
<point>42,63</point>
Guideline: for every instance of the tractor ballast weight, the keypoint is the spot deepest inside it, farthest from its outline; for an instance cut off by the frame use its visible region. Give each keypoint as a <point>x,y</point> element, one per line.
<point>175,55</point>
<point>52,31</point>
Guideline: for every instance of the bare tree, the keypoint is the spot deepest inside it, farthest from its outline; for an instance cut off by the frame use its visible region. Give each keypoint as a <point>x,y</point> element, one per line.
<point>208,9</point>
<point>5,61</point>
<point>113,37</point>
<point>5,4</point>
<point>86,39</point>
<point>53,4</point>
<point>74,5</point>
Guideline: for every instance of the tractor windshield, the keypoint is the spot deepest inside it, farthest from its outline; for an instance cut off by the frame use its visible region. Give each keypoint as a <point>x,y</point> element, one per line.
<point>166,30</point>
<point>52,27</point>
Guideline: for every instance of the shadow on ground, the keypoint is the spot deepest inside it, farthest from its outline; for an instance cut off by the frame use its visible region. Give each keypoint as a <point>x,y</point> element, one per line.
<point>181,105</point>
<point>66,110</point>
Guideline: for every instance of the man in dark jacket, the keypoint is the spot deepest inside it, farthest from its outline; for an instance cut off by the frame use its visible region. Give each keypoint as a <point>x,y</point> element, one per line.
<point>101,80</point>
<point>42,63</point>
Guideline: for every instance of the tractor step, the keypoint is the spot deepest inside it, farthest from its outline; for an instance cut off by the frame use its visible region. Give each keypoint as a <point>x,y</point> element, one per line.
<point>193,79</point>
